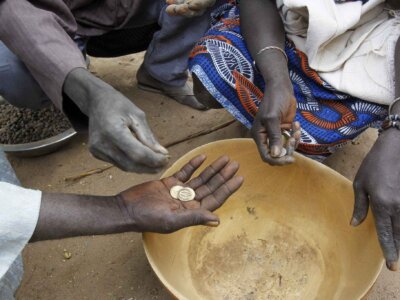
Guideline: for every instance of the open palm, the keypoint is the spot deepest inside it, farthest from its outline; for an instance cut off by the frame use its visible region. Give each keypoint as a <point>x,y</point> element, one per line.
<point>153,209</point>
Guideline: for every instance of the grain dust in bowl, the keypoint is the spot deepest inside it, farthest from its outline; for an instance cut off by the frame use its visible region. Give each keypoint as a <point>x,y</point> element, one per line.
<point>274,262</point>
<point>284,235</point>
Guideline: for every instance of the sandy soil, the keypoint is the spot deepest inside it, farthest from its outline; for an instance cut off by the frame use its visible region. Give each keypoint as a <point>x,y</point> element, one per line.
<point>115,267</point>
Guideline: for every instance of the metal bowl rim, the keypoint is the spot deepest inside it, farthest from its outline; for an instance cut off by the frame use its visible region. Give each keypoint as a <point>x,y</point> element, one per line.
<point>41,144</point>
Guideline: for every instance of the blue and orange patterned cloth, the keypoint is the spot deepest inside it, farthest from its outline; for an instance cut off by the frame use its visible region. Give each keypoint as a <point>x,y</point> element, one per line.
<point>329,118</point>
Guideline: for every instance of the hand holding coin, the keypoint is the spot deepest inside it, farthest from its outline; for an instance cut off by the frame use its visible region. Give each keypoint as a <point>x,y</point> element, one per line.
<point>182,193</point>
<point>291,140</point>
<point>179,201</point>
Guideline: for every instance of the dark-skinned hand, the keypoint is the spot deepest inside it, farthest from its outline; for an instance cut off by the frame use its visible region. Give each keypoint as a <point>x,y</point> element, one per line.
<point>276,112</point>
<point>119,134</point>
<point>152,208</point>
<point>118,129</point>
<point>188,8</point>
<point>377,185</point>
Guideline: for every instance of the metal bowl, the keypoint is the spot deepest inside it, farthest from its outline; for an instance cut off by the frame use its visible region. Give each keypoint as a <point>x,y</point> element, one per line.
<point>284,235</point>
<point>41,147</point>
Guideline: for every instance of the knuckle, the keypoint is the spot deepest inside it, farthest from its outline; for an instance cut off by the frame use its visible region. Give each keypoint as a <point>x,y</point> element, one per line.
<point>381,196</point>
<point>271,116</point>
<point>198,219</point>
<point>107,130</point>
<point>227,189</point>
<point>140,114</point>
<point>385,237</point>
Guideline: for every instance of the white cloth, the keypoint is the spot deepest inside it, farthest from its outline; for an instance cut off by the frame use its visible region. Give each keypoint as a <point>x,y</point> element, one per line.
<point>19,213</point>
<point>349,44</point>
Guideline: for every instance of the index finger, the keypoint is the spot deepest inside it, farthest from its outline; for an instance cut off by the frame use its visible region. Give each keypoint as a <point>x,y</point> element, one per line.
<point>383,224</point>
<point>135,151</point>
<point>262,144</point>
<point>272,124</point>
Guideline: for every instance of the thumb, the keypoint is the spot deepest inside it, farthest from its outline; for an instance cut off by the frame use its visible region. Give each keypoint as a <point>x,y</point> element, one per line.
<point>276,147</point>
<point>146,137</point>
<point>272,125</point>
<point>361,204</point>
<point>193,217</point>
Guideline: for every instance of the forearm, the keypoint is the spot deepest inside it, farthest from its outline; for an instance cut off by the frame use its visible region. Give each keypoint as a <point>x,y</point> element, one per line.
<point>64,215</point>
<point>41,38</point>
<point>262,26</point>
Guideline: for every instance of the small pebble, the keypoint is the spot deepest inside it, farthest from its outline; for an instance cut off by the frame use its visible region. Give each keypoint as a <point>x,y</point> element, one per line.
<point>67,254</point>
<point>22,125</point>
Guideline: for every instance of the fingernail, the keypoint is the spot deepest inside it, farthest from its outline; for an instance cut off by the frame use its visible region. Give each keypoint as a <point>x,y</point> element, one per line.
<point>234,164</point>
<point>163,150</point>
<point>392,265</point>
<point>275,152</point>
<point>354,222</point>
<point>160,149</point>
<point>212,224</point>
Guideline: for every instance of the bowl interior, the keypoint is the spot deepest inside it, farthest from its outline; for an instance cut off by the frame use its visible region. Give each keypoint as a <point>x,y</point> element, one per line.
<point>284,235</point>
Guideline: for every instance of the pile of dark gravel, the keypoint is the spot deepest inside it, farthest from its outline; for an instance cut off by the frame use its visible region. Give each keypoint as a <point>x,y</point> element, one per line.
<point>22,125</point>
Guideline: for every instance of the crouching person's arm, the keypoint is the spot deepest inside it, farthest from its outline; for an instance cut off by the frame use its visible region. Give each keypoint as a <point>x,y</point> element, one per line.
<point>145,207</point>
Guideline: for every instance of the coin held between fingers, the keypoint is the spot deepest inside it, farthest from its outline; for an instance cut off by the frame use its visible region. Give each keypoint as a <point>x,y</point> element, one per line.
<point>283,152</point>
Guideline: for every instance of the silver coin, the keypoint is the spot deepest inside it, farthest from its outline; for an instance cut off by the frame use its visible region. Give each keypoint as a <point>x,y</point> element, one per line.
<point>286,134</point>
<point>186,194</point>
<point>175,190</point>
<point>283,153</point>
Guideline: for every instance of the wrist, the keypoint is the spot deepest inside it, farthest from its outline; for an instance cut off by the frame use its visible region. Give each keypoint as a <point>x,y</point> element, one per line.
<point>127,213</point>
<point>273,67</point>
<point>84,89</point>
<point>283,85</point>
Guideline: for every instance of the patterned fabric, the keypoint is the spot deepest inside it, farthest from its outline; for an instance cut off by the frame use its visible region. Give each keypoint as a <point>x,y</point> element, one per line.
<point>329,118</point>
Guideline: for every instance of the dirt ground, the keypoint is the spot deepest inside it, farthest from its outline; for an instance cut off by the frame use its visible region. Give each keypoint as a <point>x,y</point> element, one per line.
<point>115,266</point>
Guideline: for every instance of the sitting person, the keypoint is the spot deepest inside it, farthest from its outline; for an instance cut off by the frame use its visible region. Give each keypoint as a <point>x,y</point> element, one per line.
<point>332,66</point>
